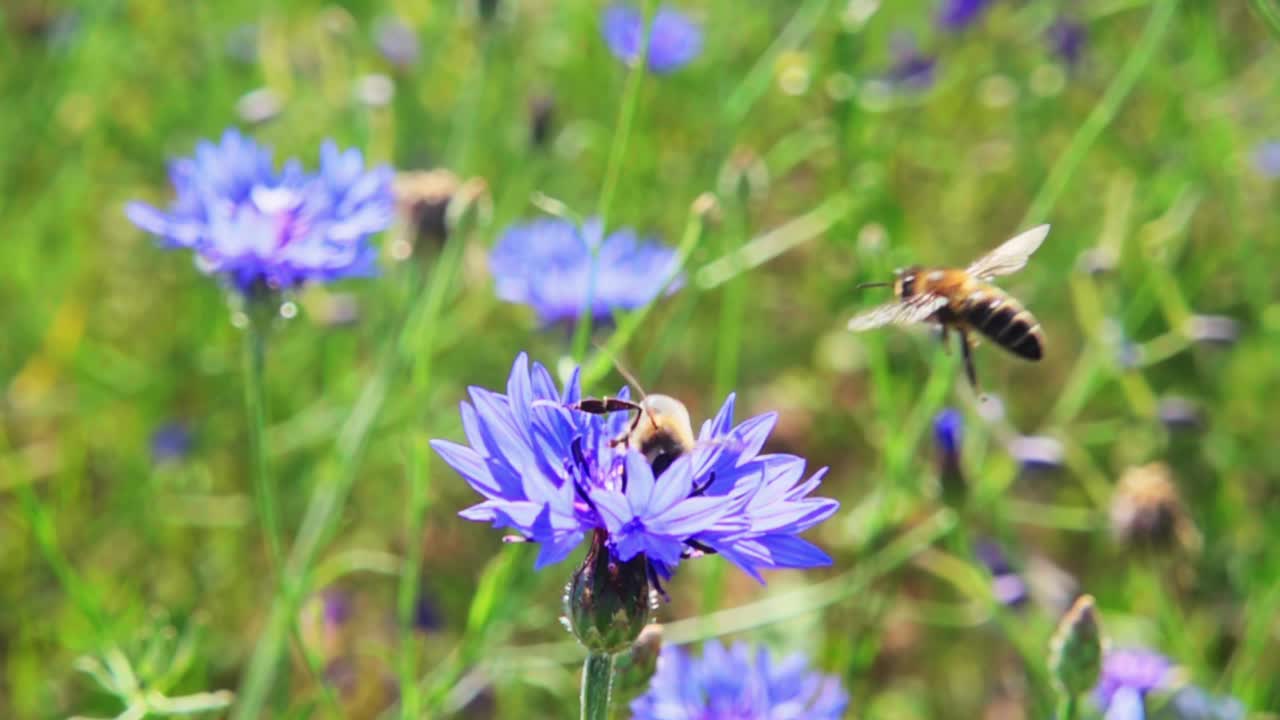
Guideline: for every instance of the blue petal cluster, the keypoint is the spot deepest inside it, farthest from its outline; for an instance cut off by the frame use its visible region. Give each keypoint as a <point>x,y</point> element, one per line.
<point>739,684</point>
<point>261,228</point>
<point>956,15</point>
<point>553,474</point>
<point>1128,675</point>
<point>911,70</point>
<point>1066,38</point>
<point>674,40</point>
<point>547,265</point>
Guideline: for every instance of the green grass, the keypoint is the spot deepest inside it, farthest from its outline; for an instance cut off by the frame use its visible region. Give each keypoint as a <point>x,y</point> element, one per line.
<point>119,573</point>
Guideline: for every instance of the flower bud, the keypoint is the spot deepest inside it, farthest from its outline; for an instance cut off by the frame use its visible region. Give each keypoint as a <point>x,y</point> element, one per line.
<point>946,435</point>
<point>1147,512</point>
<point>542,115</point>
<point>1075,652</point>
<point>607,603</point>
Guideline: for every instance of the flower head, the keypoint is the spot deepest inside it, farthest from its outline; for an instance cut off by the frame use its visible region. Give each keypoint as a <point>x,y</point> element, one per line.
<point>1266,159</point>
<point>946,435</point>
<point>555,475</point>
<point>1007,585</point>
<point>170,442</point>
<point>547,264</point>
<point>1130,672</point>
<point>738,683</point>
<point>956,15</point>
<point>1066,39</point>
<point>674,39</point>
<point>911,70</point>
<point>261,228</point>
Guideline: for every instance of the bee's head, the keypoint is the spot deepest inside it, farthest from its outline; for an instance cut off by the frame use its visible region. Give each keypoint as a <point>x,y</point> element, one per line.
<point>904,286</point>
<point>663,431</point>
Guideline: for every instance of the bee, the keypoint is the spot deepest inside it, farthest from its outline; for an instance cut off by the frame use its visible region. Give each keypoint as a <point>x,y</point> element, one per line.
<point>661,430</point>
<point>966,301</point>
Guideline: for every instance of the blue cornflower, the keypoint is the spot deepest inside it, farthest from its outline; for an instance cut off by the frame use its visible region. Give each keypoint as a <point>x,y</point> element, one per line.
<point>674,41</point>
<point>546,264</point>
<point>1266,158</point>
<point>956,15</point>
<point>170,442</point>
<point>1193,703</point>
<point>946,430</point>
<point>739,684</point>
<point>1006,584</point>
<point>262,229</point>
<point>1128,675</point>
<point>555,475</point>
<point>1066,38</point>
<point>946,434</point>
<point>911,70</point>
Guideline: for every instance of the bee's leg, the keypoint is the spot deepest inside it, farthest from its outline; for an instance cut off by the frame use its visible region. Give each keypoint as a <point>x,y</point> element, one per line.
<point>946,338</point>
<point>968,359</point>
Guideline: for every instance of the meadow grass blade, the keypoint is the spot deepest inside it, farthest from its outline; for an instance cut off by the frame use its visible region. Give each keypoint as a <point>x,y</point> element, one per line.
<point>1108,107</point>
<point>627,107</point>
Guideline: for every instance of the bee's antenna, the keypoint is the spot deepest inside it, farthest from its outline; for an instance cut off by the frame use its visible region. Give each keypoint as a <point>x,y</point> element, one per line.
<point>623,371</point>
<point>864,286</point>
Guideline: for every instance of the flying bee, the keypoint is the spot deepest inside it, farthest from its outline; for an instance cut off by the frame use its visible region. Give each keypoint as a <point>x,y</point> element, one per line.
<point>661,429</point>
<point>965,301</point>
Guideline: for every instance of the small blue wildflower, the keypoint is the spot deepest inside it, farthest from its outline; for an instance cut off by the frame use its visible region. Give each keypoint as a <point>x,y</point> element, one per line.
<point>1266,159</point>
<point>1007,586</point>
<point>1066,39</point>
<point>946,430</point>
<point>1193,703</point>
<point>261,229</point>
<point>737,683</point>
<point>946,434</point>
<point>911,70</point>
<point>397,42</point>
<point>957,15</point>
<point>170,442</point>
<point>674,41</point>
<point>1128,675</point>
<point>546,264</point>
<point>555,476</point>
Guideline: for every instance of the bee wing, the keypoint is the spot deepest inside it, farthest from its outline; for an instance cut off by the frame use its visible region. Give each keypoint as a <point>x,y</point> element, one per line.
<point>917,309</point>
<point>1011,256</point>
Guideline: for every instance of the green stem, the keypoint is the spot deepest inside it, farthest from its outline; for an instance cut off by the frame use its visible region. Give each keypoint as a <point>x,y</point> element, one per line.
<point>617,154</point>
<point>600,364</point>
<point>1103,113</point>
<point>1067,707</point>
<point>264,491</point>
<point>597,684</point>
<point>410,581</point>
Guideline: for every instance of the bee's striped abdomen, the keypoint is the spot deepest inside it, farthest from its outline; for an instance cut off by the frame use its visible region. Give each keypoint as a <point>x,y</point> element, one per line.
<point>1005,322</point>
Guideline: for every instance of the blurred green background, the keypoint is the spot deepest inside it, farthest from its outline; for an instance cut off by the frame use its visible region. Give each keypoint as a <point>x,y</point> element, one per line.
<point>1143,154</point>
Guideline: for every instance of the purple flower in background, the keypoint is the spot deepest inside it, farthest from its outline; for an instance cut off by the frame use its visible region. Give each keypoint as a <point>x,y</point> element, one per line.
<point>170,442</point>
<point>1128,675</point>
<point>946,431</point>
<point>546,264</point>
<point>397,42</point>
<point>554,475</point>
<point>1007,586</point>
<point>956,15</point>
<point>674,40</point>
<point>740,684</point>
<point>1066,39</point>
<point>1266,158</point>
<point>946,435</point>
<point>911,69</point>
<point>1193,703</point>
<point>258,228</point>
